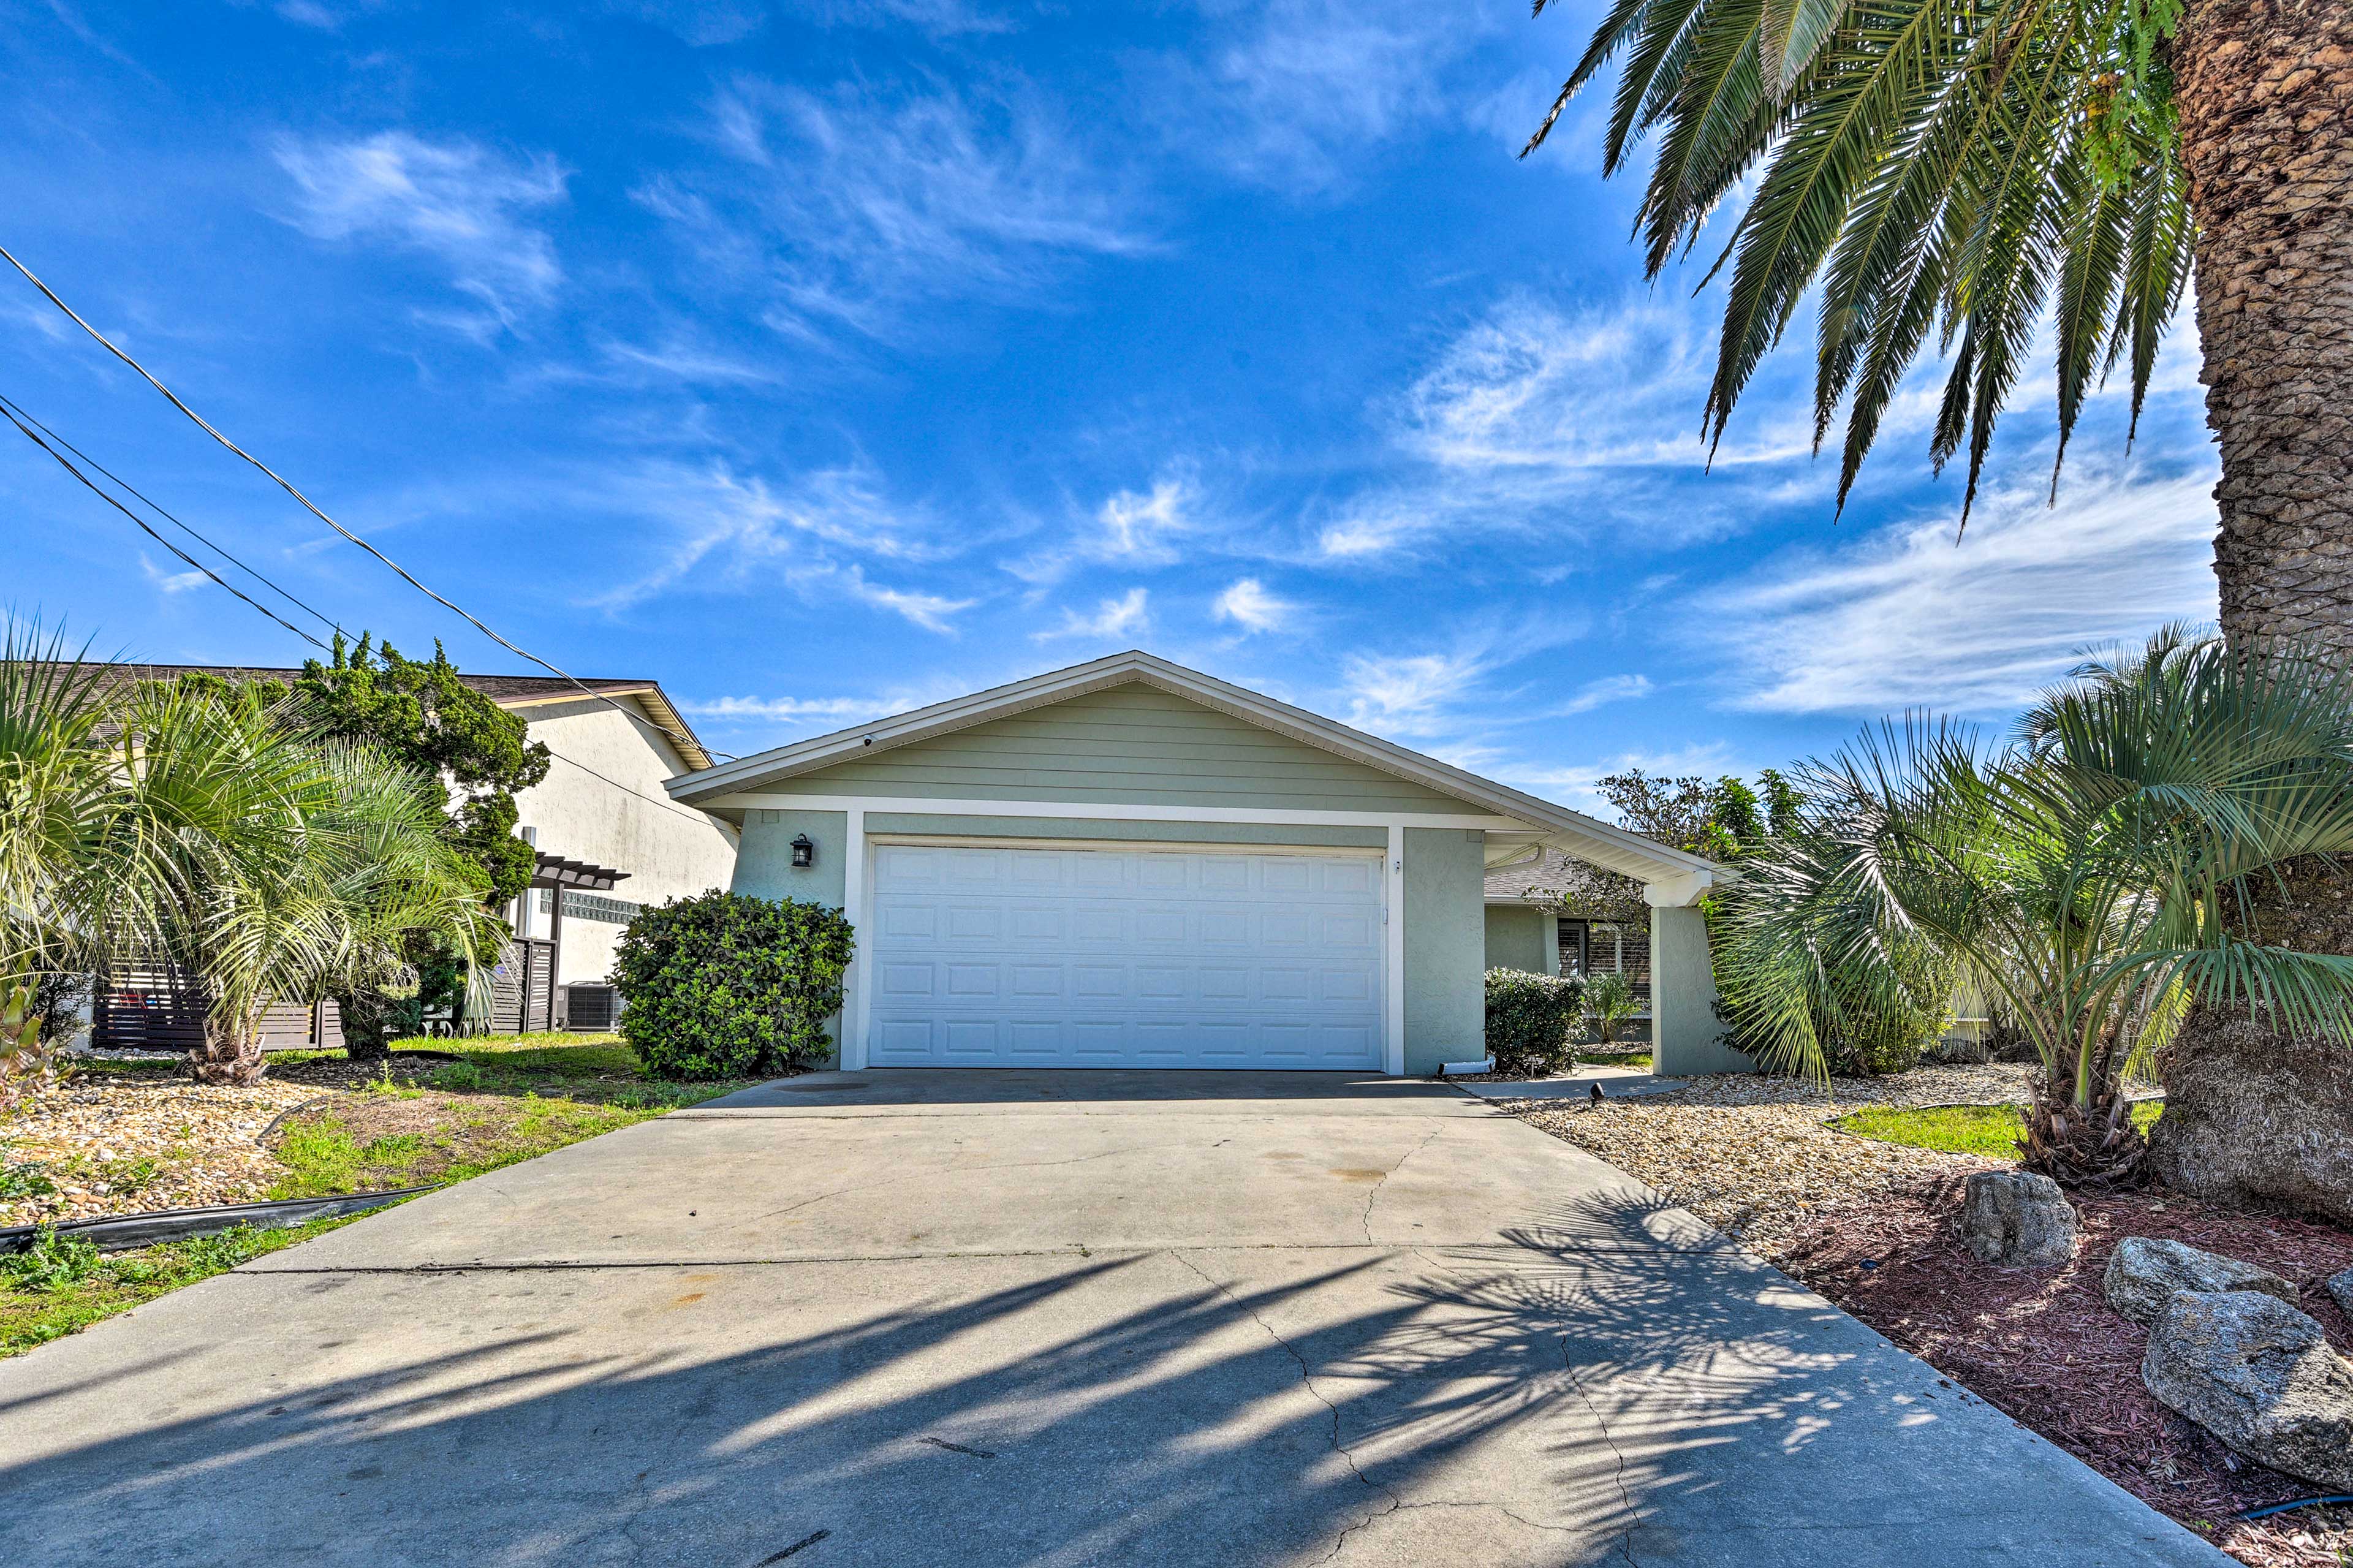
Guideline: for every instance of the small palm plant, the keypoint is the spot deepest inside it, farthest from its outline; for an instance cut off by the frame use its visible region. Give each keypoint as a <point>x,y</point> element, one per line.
<point>2095,876</point>
<point>285,867</point>
<point>1609,1001</point>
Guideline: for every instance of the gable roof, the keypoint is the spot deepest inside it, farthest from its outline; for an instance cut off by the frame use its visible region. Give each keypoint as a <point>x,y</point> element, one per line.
<point>1679,877</point>
<point>515,693</point>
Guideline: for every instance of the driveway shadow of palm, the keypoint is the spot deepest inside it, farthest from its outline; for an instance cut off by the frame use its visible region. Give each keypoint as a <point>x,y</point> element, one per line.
<point>1233,1406</point>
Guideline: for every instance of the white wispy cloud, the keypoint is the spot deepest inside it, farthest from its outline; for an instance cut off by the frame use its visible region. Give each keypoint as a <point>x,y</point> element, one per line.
<point>849,207</point>
<point>1908,618</point>
<point>932,612</point>
<point>1294,92</point>
<point>1118,617</point>
<point>1140,526</point>
<point>817,534</point>
<point>1248,605</point>
<point>794,715</point>
<point>1411,694</point>
<point>460,202</point>
<point>170,582</point>
<point>1606,690</point>
<point>1534,417</point>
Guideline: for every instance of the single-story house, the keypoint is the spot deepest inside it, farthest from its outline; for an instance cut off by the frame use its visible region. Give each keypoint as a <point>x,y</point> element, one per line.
<point>608,841</point>
<point>1131,864</point>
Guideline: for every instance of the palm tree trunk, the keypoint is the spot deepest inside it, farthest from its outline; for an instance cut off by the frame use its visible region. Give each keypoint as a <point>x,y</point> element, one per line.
<point>231,1053</point>
<point>2264,91</point>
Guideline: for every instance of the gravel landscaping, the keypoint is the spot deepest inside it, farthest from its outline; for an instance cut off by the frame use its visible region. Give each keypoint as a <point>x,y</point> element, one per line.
<point>116,1141</point>
<point>1753,1156</point>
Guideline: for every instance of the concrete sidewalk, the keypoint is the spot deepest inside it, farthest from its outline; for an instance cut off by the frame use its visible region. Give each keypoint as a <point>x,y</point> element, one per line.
<point>1009,1318</point>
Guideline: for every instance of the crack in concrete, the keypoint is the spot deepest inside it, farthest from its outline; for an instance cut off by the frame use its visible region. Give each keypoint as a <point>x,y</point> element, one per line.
<point>1307,1381</point>
<point>1625,1494</point>
<point>1372,1196</point>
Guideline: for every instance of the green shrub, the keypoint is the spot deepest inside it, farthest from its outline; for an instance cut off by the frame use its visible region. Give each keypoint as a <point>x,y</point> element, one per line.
<point>725,986</point>
<point>1529,1019</point>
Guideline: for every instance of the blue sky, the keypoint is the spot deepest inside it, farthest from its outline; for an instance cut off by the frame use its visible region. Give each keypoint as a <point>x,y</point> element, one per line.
<point>825,357</point>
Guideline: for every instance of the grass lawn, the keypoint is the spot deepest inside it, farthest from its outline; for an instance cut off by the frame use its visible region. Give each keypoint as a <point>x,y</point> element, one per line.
<point>508,1098</point>
<point>1991,1130</point>
<point>63,1285</point>
<point>1600,1058</point>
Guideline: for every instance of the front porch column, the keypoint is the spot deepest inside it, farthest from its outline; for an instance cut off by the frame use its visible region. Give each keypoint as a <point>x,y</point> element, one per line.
<point>1685,1038</point>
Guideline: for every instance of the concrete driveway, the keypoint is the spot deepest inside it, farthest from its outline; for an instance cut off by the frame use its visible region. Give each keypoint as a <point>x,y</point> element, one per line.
<point>1046,1319</point>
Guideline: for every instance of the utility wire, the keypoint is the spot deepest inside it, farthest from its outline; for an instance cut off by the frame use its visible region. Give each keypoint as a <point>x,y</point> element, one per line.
<point>21,414</point>
<point>9,412</point>
<point>17,414</point>
<point>309,506</point>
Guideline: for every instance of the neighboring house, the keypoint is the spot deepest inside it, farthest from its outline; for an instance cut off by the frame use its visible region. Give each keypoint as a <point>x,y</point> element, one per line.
<point>1551,913</point>
<point>609,840</point>
<point>1129,864</point>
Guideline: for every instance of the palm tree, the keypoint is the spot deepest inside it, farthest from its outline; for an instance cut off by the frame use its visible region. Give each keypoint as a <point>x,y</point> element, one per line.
<point>1972,166</point>
<point>1975,166</point>
<point>54,788</point>
<point>2096,877</point>
<point>205,827</point>
<point>272,867</point>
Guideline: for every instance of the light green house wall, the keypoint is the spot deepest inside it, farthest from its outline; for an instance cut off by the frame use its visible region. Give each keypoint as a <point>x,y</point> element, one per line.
<point>1515,939</point>
<point>1689,1039</point>
<point>1445,947</point>
<point>1131,744</point>
<point>763,862</point>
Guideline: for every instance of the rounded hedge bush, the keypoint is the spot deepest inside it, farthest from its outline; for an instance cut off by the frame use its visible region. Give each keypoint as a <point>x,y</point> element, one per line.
<point>726,985</point>
<point>1530,1018</point>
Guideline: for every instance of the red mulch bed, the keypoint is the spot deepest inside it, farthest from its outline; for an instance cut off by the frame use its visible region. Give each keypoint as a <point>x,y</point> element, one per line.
<point>2042,1346</point>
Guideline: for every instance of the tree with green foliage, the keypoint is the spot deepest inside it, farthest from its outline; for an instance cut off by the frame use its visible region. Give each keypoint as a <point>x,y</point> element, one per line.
<point>1954,176</point>
<point>420,714</point>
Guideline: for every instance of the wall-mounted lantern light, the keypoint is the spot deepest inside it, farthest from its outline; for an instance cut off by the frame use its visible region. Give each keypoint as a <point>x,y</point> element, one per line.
<point>804,852</point>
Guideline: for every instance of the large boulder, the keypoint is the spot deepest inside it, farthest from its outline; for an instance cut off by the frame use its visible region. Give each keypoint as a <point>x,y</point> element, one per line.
<point>2017,1218</point>
<point>2340,1290</point>
<point>2142,1275</point>
<point>2261,1376</point>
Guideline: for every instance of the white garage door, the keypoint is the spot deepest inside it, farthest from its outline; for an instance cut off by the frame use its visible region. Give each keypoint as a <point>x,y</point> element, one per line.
<point>1006,957</point>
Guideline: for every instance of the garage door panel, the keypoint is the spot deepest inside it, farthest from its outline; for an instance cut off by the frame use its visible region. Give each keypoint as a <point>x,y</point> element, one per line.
<point>1104,958</point>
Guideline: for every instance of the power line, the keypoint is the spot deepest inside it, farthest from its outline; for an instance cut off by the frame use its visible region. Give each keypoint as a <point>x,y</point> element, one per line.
<point>8,412</point>
<point>19,412</point>
<point>311,506</point>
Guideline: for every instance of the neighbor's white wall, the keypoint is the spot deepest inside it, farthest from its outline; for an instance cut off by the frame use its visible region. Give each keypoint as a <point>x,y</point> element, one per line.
<point>668,849</point>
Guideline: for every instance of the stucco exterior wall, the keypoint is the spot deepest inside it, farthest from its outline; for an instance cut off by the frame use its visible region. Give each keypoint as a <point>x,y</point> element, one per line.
<point>1685,1038</point>
<point>1515,938</point>
<point>1445,947</point>
<point>669,850</point>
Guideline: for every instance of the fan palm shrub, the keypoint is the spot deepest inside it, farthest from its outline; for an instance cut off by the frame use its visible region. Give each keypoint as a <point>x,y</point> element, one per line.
<point>2095,876</point>
<point>271,865</point>
<point>204,828</point>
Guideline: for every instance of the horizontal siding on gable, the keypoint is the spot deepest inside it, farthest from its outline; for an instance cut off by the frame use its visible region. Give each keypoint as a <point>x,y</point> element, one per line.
<point>1131,743</point>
